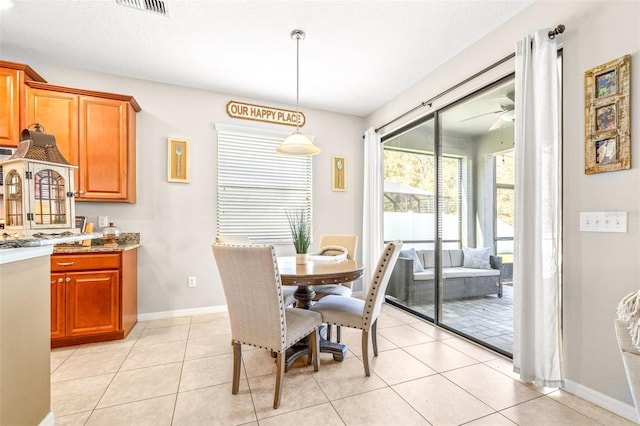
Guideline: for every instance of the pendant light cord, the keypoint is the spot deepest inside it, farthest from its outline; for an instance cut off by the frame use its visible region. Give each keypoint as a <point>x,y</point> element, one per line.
<point>297,35</point>
<point>297,82</point>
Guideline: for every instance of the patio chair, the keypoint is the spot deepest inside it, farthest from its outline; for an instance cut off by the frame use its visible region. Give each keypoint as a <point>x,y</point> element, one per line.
<point>257,313</point>
<point>358,313</point>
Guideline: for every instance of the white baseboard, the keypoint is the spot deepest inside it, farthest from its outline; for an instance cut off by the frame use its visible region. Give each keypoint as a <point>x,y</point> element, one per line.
<point>49,420</point>
<point>618,407</point>
<point>182,313</point>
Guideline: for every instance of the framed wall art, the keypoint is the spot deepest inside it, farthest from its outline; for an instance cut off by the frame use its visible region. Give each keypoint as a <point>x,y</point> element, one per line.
<point>339,174</point>
<point>607,116</point>
<point>178,160</point>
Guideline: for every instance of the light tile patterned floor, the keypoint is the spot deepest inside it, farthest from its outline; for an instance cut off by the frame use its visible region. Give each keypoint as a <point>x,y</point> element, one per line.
<point>178,372</point>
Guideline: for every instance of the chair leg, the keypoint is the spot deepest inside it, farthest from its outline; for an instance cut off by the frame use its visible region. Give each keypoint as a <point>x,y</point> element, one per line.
<point>338,336</point>
<point>314,349</point>
<point>374,337</point>
<point>329,332</point>
<point>237,363</point>
<point>365,352</point>
<point>280,361</point>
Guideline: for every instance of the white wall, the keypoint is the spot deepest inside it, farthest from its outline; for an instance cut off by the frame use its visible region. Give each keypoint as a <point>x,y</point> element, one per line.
<point>598,269</point>
<point>178,221</point>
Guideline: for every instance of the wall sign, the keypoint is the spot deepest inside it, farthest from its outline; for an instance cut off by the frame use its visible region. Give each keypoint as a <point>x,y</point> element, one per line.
<point>264,113</point>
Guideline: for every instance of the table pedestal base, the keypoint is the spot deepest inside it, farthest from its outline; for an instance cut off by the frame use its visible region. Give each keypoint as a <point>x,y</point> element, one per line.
<point>338,350</point>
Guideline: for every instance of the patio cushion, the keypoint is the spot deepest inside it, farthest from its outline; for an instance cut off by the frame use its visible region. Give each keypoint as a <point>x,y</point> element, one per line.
<point>427,257</point>
<point>456,257</point>
<point>411,254</point>
<point>476,258</point>
<point>427,274</point>
<point>456,273</point>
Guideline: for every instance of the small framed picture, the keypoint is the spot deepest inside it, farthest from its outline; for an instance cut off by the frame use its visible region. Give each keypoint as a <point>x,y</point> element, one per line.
<point>607,115</point>
<point>339,174</point>
<point>606,151</point>
<point>606,83</point>
<point>178,160</point>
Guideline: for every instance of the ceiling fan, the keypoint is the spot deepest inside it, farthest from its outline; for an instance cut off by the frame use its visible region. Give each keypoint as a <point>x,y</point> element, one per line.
<point>506,111</point>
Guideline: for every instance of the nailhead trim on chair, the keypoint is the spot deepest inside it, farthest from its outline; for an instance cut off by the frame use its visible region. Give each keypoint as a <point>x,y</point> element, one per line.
<point>371,295</point>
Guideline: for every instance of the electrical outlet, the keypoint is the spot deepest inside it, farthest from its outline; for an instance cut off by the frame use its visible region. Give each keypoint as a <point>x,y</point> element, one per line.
<point>192,281</point>
<point>103,221</point>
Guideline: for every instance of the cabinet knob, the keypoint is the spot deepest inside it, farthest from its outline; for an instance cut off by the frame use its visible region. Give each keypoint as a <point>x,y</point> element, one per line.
<point>60,280</point>
<point>79,193</point>
<point>67,279</point>
<point>65,263</point>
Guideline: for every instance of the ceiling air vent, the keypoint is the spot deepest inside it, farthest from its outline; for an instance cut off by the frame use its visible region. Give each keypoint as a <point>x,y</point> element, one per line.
<point>155,6</point>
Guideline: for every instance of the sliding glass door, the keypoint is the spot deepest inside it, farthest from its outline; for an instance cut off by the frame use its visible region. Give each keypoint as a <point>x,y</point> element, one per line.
<point>449,198</point>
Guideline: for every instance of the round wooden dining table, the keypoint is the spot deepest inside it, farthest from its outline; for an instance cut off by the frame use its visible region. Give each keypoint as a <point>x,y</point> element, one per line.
<point>317,273</point>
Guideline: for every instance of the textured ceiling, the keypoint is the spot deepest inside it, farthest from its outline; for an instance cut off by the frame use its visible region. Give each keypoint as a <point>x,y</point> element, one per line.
<point>357,54</point>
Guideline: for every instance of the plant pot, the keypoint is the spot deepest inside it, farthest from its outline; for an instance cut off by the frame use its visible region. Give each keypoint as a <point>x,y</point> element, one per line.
<point>301,258</point>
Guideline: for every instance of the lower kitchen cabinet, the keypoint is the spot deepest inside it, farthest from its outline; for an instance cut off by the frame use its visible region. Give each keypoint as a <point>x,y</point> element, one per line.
<point>93,296</point>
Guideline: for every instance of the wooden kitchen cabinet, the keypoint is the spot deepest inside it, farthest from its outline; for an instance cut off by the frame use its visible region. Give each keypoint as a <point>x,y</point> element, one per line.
<point>12,78</point>
<point>93,296</point>
<point>95,131</point>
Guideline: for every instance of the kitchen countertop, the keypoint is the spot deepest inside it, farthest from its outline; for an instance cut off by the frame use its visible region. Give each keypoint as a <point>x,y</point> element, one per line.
<point>126,241</point>
<point>71,243</point>
<point>45,240</point>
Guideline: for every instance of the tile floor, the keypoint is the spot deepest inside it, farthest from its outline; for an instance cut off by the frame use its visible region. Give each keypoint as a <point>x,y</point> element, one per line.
<point>178,372</point>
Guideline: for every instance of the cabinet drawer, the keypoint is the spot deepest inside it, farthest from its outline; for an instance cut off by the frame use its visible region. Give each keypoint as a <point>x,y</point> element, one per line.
<point>81,262</point>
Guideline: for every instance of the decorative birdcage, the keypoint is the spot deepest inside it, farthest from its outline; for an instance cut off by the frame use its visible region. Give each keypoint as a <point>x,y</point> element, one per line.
<point>38,187</point>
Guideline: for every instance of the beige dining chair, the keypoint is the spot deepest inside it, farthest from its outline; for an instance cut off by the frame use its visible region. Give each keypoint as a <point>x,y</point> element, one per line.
<point>358,313</point>
<point>349,242</point>
<point>258,316</point>
<point>243,240</point>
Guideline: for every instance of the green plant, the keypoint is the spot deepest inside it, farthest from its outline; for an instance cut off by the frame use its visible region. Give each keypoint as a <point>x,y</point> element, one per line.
<point>300,229</point>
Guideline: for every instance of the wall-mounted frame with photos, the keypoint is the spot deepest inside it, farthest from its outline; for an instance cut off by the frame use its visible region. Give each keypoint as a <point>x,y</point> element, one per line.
<point>607,117</point>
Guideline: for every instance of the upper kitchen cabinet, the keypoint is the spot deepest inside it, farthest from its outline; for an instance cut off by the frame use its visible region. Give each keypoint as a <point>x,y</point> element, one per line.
<point>95,131</point>
<point>12,78</point>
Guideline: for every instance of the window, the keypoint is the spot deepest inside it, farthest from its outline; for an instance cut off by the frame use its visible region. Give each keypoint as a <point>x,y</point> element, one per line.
<point>409,200</point>
<point>257,186</point>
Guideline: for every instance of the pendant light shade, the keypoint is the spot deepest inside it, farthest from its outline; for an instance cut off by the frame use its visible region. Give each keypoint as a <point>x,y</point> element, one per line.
<point>296,143</point>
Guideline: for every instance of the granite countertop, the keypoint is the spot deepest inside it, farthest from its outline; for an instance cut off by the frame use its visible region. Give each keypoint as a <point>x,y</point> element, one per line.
<point>126,241</point>
<point>72,243</point>
<point>39,240</point>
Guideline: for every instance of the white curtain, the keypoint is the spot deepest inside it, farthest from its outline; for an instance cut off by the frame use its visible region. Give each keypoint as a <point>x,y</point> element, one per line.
<point>372,236</point>
<point>537,349</point>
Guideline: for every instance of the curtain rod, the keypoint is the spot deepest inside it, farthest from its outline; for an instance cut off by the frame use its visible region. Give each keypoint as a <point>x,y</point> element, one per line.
<point>552,34</point>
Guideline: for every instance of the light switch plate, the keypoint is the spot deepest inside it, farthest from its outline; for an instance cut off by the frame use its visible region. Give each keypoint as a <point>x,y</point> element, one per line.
<point>603,221</point>
<point>103,221</point>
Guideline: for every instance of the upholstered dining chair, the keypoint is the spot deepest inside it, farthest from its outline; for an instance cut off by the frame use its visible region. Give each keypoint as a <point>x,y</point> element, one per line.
<point>258,316</point>
<point>243,240</point>
<point>349,242</point>
<point>358,313</point>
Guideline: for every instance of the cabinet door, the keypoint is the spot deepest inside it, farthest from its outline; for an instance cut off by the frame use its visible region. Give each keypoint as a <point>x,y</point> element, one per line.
<point>92,302</point>
<point>104,152</point>
<point>9,107</point>
<point>57,305</point>
<point>58,114</point>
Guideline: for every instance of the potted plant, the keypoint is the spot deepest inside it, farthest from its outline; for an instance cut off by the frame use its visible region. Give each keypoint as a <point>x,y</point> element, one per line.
<point>300,232</point>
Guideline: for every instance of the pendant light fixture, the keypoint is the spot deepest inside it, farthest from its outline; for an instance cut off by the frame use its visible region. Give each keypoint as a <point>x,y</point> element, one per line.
<point>297,143</point>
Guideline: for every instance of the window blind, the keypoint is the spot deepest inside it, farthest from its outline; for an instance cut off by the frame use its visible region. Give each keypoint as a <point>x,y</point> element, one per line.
<point>257,186</point>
